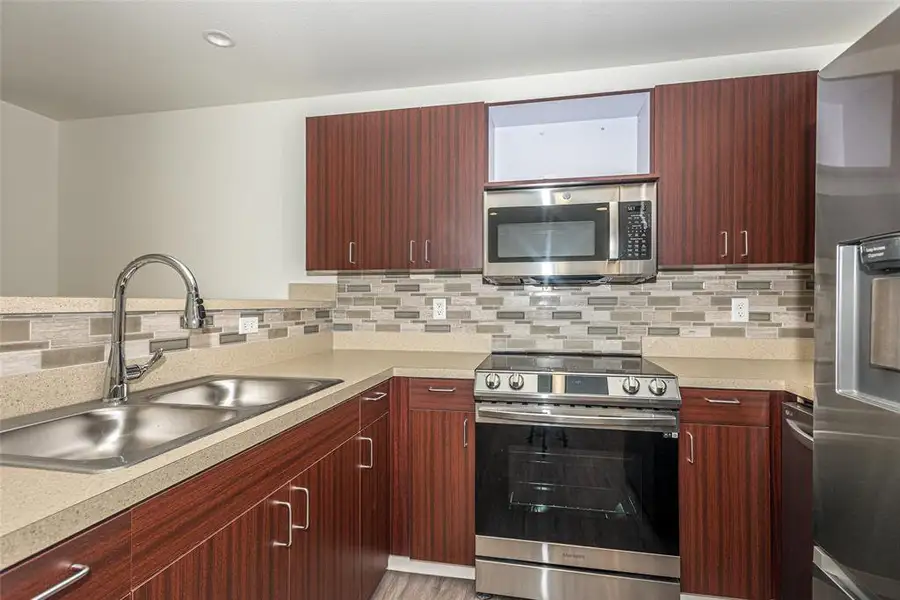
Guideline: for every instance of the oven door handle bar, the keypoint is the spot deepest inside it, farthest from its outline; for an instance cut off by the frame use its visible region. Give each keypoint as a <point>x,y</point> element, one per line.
<point>639,420</point>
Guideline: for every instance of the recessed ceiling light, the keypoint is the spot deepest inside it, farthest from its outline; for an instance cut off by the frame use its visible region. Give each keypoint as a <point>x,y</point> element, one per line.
<point>219,39</point>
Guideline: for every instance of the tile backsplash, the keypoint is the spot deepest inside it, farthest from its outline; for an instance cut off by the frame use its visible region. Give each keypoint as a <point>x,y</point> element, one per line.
<point>582,319</point>
<point>47,341</point>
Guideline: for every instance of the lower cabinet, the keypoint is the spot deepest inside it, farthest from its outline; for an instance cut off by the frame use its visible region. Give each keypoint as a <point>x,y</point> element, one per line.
<point>725,505</point>
<point>325,556</point>
<point>442,511</point>
<point>248,559</point>
<point>375,503</point>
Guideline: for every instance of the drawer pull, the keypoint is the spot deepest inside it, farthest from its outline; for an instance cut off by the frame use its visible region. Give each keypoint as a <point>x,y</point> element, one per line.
<point>723,401</point>
<point>81,571</point>
<point>378,396</point>
<point>438,390</point>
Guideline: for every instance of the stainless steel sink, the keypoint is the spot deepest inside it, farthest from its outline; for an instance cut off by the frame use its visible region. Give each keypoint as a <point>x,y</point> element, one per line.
<point>97,436</point>
<point>100,437</point>
<point>235,392</point>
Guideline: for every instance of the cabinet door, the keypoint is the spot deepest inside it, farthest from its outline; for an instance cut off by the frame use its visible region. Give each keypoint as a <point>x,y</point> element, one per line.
<point>375,504</point>
<point>333,180</point>
<point>774,168</point>
<point>694,154</point>
<point>449,169</point>
<point>248,559</point>
<point>724,494</point>
<point>104,550</point>
<point>442,527</point>
<point>325,554</point>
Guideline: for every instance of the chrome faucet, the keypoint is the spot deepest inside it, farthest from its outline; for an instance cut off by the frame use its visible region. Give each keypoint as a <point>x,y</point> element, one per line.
<point>118,373</point>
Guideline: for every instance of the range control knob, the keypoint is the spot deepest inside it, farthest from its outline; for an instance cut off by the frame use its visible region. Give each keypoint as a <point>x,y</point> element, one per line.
<point>657,387</point>
<point>516,381</point>
<point>492,380</point>
<point>631,385</point>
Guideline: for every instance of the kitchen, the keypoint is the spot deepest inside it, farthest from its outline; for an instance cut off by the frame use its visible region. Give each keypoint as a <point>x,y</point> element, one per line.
<point>521,330</point>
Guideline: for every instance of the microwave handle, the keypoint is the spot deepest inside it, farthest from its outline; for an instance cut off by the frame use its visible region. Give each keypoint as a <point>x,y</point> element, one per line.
<point>613,231</point>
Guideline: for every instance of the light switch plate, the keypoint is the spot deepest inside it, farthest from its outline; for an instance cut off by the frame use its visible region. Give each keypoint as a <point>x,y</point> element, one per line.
<point>248,324</point>
<point>740,310</point>
<point>439,309</point>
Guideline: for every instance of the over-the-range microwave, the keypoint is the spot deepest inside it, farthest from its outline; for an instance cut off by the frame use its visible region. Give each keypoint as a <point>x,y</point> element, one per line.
<point>568,235</point>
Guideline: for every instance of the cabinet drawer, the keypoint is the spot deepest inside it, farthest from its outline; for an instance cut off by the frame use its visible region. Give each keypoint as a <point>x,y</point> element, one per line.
<point>442,394</point>
<point>374,403</point>
<point>725,407</point>
<point>104,550</point>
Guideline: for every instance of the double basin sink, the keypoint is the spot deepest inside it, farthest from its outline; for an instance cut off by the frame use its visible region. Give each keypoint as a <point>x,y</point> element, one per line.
<point>97,436</point>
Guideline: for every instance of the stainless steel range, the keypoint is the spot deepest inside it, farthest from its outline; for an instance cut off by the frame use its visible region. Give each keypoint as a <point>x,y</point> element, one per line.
<point>576,485</point>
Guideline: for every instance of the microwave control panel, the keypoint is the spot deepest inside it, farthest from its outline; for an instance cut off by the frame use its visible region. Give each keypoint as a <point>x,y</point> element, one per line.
<point>635,235</point>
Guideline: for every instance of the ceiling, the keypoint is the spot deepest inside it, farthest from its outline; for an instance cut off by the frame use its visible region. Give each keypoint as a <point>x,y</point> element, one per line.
<point>75,59</point>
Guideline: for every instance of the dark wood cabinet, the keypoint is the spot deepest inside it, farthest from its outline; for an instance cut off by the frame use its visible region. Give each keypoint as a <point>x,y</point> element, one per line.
<point>375,504</point>
<point>396,189</point>
<point>442,478</point>
<point>725,511</point>
<point>736,160</point>
<point>325,555</point>
<point>449,168</point>
<point>247,559</point>
<point>331,221</point>
<point>693,151</point>
<point>105,552</point>
<point>775,158</point>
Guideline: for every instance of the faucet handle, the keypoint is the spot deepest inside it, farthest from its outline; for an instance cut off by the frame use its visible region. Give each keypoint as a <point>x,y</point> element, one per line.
<point>136,372</point>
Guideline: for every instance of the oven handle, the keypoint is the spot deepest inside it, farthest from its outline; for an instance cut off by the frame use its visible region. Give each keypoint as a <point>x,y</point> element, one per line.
<point>638,420</point>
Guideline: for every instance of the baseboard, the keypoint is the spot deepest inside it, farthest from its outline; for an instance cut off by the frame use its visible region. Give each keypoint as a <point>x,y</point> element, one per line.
<point>404,564</point>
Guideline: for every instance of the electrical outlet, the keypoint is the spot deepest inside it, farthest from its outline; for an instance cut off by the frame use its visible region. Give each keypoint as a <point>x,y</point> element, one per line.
<point>439,308</point>
<point>248,324</point>
<point>740,310</point>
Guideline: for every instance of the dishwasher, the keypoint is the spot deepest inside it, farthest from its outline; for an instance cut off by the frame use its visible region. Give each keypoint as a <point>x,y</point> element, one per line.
<point>797,501</point>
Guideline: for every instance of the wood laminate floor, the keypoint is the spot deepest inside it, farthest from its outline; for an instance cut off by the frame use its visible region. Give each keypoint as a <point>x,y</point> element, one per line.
<point>410,586</point>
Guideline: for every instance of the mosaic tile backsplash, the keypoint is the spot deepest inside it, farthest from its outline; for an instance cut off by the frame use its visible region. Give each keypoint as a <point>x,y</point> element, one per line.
<point>34,342</point>
<point>582,319</point>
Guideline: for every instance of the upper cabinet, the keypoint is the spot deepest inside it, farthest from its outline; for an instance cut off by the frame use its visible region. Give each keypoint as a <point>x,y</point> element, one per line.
<point>571,138</point>
<point>736,161</point>
<point>396,189</point>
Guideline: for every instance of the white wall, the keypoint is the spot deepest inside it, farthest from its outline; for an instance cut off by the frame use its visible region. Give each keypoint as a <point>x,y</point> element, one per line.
<point>572,149</point>
<point>28,202</point>
<point>224,188</point>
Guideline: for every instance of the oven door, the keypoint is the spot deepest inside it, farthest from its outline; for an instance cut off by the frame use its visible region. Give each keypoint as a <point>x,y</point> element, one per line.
<point>551,233</point>
<point>585,487</point>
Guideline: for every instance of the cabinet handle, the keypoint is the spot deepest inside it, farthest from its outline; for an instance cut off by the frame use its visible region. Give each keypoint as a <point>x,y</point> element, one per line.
<point>427,248</point>
<point>746,237</point>
<point>305,491</point>
<point>725,239</point>
<point>412,251</point>
<point>466,432</point>
<point>81,571</point>
<point>438,390</point>
<point>723,400</point>
<point>378,396</point>
<point>691,442</point>
<point>371,453</point>
<point>351,258</point>
<point>290,525</point>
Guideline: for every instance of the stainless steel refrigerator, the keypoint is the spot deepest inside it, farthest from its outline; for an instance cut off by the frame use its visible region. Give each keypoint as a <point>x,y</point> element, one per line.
<point>857,364</point>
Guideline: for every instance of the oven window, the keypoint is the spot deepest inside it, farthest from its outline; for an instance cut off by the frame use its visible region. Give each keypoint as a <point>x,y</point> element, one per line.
<point>585,487</point>
<point>544,233</point>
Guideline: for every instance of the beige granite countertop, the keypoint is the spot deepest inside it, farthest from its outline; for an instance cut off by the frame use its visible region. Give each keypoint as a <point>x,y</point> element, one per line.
<point>40,508</point>
<point>794,376</point>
